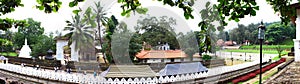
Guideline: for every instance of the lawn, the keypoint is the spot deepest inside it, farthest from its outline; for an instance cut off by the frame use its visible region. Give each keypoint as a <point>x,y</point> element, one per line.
<point>267,46</point>
<point>9,54</point>
<point>257,51</point>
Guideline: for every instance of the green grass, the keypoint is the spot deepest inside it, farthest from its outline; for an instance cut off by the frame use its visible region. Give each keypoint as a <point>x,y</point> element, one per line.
<point>9,54</point>
<point>276,58</point>
<point>267,46</point>
<point>256,51</point>
<point>288,42</point>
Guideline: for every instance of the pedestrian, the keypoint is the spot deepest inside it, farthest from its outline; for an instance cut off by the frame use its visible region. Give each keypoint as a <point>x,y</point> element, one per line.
<point>84,72</point>
<point>69,70</point>
<point>6,81</point>
<point>55,69</point>
<point>95,74</point>
<point>37,67</point>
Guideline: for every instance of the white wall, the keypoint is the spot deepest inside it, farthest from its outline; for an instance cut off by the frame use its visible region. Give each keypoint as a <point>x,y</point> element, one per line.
<point>60,49</point>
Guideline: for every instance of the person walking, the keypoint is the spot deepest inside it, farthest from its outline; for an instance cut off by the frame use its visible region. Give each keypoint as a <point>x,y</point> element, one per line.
<point>95,74</point>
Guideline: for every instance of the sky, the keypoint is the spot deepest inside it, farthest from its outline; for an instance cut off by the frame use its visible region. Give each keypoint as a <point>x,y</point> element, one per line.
<point>56,21</point>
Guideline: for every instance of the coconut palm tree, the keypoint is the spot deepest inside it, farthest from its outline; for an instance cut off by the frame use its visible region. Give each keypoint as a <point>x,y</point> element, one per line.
<point>81,34</point>
<point>101,20</point>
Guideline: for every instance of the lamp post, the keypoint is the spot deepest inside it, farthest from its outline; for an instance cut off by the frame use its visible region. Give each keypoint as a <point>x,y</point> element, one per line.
<point>261,36</point>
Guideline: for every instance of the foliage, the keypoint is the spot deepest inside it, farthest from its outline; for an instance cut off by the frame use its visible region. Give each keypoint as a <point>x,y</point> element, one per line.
<point>7,23</point>
<point>110,30</point>
<point>32,31</point>
<point>157,31</point>
<point>224,35</point>
<point>276,33</point>
<point>206,57</point>
<point>233,9</point>
<point>8,35</point>
<point>279,50</point>
<point>43,45</point>
<point>188,43</point>
<point>284,8</point>
<point>4,43</point>
<point>8,6</point>
<point>206,40</point>
<point>96,17</point>
<point>81,34</point>
<point>236,9</point>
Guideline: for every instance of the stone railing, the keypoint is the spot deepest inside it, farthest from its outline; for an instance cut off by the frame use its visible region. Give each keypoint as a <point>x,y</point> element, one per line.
<point>89,78</point>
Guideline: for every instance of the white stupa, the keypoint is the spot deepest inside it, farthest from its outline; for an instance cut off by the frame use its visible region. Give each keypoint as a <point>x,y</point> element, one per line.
<point>25,51</point>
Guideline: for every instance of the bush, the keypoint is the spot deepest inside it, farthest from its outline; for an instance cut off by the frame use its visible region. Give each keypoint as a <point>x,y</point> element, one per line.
<point>206,57</point>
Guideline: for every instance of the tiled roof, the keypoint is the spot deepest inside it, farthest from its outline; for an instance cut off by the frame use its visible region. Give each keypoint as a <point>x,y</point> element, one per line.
<point>162,54</point>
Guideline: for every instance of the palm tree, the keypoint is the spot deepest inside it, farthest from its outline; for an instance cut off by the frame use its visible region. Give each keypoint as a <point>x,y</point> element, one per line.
<point>101,19</point>
<point>81,34</point>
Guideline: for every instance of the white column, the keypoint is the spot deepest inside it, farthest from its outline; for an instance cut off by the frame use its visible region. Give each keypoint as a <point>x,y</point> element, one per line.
<point>74,53</point>
<point>60,49</point>
<point>297,40</point>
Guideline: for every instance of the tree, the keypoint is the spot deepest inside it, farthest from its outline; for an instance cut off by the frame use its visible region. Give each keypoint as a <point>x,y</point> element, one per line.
<point>110,30</point>
<point>277,33</point>
<point>5,43</point>
<point>158,31</point>
<point>231,9</point>
<point>100,18</point>
<point>43,45</point>
<point>279,51</point>
<point>227,36</point>
<point>81,34</point>
<point>188,43</point>
<point>31,32</point>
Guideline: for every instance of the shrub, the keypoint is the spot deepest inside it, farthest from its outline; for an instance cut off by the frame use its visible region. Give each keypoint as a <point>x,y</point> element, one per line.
<point>206,57</point>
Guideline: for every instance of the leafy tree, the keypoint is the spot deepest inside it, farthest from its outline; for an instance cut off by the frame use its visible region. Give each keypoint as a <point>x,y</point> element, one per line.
<point>157,31</point>
<point>231,9</point>
<point>43,45</point>
<point>4,44</point>
<point>279,51</point>
<point>188,43</point>
<point>31,32</point>
<point>226,36</point>
<point>277,33</point>
<point>8,35</point>
<point>110,30</point>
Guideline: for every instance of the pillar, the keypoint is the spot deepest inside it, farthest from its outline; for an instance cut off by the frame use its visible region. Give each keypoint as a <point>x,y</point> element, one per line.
<point>297,40</point>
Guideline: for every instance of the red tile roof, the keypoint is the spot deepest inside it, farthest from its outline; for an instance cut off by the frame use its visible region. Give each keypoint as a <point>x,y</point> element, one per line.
<point>162,54</point>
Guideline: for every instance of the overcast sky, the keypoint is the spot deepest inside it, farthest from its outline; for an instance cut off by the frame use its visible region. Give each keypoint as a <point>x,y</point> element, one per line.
<point>56,21</point>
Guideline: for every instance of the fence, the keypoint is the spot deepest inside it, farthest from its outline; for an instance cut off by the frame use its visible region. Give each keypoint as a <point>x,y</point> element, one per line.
<point>89,78</point>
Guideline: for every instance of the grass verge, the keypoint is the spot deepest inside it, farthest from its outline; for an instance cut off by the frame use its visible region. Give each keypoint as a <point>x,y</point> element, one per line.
<point>256,51</point>
<point>9,54</point>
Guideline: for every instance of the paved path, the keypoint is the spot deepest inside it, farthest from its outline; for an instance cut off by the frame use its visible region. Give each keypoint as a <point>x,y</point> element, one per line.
<point>241,56</point>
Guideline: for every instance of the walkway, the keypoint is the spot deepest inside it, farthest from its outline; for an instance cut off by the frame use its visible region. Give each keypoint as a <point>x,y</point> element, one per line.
<point>290,75</point>
<point>241,56</point>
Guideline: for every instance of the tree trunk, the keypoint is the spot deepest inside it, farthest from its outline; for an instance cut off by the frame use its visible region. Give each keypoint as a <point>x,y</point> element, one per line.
<point>100,40</point>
